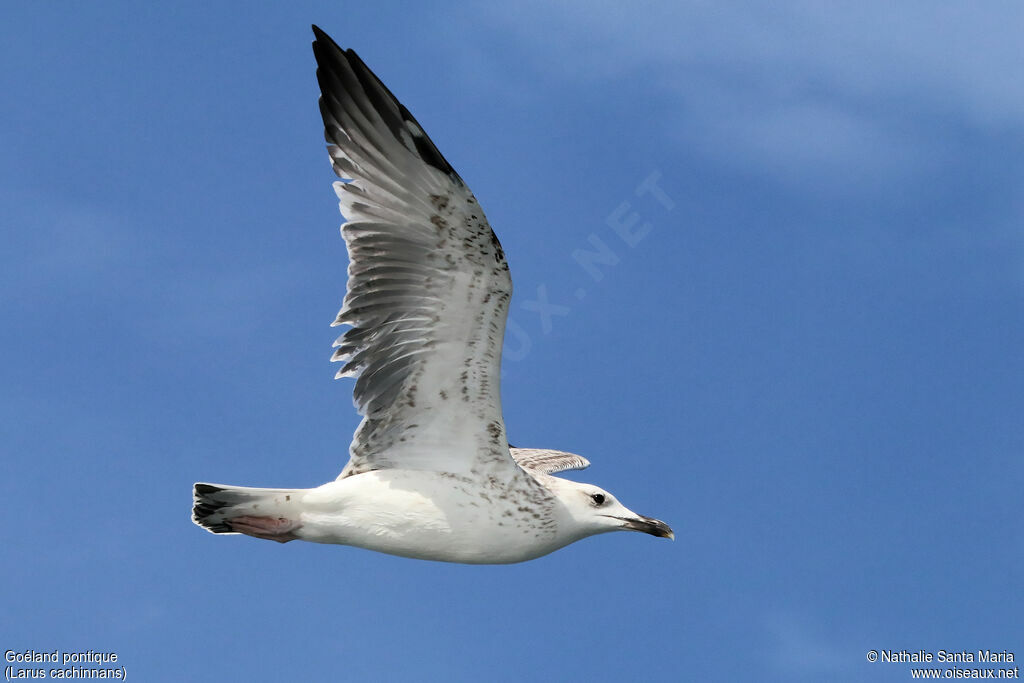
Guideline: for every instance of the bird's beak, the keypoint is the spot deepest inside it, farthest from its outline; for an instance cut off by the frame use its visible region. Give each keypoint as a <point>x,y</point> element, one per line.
<point>648,525</point>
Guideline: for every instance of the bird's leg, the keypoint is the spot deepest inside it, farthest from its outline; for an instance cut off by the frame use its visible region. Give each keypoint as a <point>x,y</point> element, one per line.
<point>271,528</point>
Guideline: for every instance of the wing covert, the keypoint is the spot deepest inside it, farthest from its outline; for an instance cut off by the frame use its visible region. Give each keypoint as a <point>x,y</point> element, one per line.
<point>548,461</point>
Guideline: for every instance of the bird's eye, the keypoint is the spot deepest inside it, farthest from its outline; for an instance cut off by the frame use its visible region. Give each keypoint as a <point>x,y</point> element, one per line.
<point>598,498</point>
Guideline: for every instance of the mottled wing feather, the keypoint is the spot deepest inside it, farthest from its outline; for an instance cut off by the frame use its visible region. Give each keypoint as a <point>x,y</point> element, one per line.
<point>428,286</point>
<point>547,461</point>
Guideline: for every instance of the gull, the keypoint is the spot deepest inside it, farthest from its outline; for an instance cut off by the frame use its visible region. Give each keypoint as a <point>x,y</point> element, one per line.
<point>431,474</point>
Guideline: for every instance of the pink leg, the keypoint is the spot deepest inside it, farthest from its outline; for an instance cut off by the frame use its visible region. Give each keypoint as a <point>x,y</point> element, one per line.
<point>271,528</point>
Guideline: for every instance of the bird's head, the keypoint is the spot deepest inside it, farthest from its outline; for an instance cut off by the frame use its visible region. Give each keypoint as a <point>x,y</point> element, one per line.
<point>596,511</point>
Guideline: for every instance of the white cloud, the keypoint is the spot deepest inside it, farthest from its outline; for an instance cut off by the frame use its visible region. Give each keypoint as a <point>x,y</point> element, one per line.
<point>152,280</point>
<point>800,651</point>
<point>969,54</point>
<point>54,241</point>
<point>804,91</point>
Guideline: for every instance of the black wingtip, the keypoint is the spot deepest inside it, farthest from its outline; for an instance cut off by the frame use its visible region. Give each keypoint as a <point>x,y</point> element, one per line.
<point>324,41</point>
<point>319,33</point>
<point>363,84</point>
<point>321,40</point>
<point>324,45</point>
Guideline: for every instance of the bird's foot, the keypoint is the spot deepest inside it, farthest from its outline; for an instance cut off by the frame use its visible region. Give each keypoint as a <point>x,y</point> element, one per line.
<point>271,528</point>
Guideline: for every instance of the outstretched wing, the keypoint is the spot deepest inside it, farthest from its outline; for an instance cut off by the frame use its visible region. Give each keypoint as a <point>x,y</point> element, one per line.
<point>428,285</point>
<point>548,462</point>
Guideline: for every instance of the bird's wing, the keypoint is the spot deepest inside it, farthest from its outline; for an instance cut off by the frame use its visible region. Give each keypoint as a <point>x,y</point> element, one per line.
<point>428,285</point>
<point>548,462</point>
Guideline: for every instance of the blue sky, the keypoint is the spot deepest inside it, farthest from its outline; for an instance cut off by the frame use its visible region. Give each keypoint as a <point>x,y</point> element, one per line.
<point>808,359</point>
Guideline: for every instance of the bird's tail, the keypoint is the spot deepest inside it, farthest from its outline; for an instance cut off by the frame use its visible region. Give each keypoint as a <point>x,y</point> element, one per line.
<point>215,505</point>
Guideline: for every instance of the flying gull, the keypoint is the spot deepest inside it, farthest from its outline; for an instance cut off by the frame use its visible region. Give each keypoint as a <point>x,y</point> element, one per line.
<point>431,474</point>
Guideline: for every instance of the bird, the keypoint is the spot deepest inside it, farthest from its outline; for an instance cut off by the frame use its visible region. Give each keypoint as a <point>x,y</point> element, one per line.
<point>430,474</point>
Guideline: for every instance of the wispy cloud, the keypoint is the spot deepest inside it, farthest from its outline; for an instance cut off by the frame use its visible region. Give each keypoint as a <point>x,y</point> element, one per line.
<point>52,242</point>
<point>800,651</point>
<point>132,275</point>
<point>908,115</point>
<point>866,49</point>
<point>796,89</point>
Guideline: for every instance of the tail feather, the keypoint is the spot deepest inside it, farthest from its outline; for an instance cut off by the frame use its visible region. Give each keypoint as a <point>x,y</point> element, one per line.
<point>215,505</point>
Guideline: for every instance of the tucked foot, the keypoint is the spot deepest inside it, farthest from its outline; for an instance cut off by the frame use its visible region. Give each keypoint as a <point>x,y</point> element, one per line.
<point>271,528</point>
